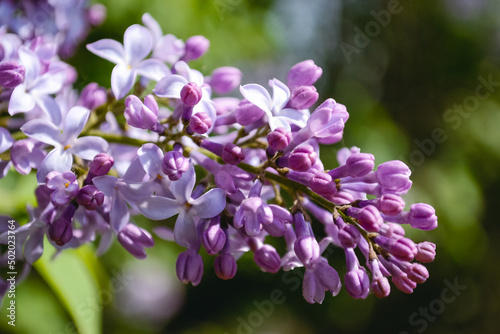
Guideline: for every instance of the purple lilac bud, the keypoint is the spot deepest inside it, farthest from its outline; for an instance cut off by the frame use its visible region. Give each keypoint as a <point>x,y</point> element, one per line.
<point>348,234</point>
<point>225,79</point>
<point>318,181</point>
<point>391,230</point>
<point>174,164</point>
<point>357,165</point>
<point>248,113</point>
<point>302,158</point>
<point>90,197</point>
<point>303,97</point>
<point>305,73</point>
<point>279,139</point>
<point>368,217</point>
<point>403,283</point>
<point>388,204</point>
<point>134,239</point>
<point>191,94</point>
<point>380,284</point>
<point>225,266</point>
<point>65,187</point>
<point>213,238</point>
<point>422,216</point>
<point>417,273</point>
<point>200,122</point>
<point>267,258</point>
<point>252,214</point>
<point>394,177</point>
<point>232,154</point>
<point>426,252</point>
<point>11,74</point>
<point>60,230</point>
<point>101,165</point>
<point>195,47</point>
<point>96,14</point>
<point>189,267</point>
<point>141,115</point>
<point>306,247</point>
<point>356,280</point>
<point>92,96</point>
<point>403,248</point>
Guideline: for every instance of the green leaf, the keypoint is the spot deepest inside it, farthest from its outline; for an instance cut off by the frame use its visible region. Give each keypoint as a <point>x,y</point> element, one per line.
<point>75,285</point>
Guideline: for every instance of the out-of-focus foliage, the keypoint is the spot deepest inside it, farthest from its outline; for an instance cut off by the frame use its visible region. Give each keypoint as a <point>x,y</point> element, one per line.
<point>398,89</point>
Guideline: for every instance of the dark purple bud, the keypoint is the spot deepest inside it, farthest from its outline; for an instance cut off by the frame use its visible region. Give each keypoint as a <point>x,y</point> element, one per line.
<point>101,165</point>
<point>174,164</point>
<point>357,283</point>
<point>417,273</point>
<point>268,259</point>
<point>195,47</point>
<point>92,96</point>
<point>225,266</point>
<point>90,197</point>
<point>61,231</point>
<point>189,267</point>
<point>307,249</point>
<point>303,97</point>
<point>422,216</point>
<point>11,74</point>
<point>426,252</point>
<point>191,94</point>
<point>248,113</point>
<point>305,73</point>
<point>394,177</point>
<point>368,217</point>
<point>141,115</point>
<point>232,154</point>
<point>403,248</point>
<point>225,79</point>
<point>358,164</point>
<point>200,122</point>
<point>214,238</point>
<point>279,139</point>
<point>348,235</point>
<point>302,158</point>
<point>134,240</point>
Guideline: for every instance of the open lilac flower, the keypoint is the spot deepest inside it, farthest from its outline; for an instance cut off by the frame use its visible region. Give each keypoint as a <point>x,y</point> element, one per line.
<point>65,141</point>
<point>6,142</point>
<point>275,112</point>
<point>137,44</point>
<point>208,205</point>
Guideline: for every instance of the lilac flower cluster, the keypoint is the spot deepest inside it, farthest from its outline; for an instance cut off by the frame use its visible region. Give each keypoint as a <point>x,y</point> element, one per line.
<point>105,156</point>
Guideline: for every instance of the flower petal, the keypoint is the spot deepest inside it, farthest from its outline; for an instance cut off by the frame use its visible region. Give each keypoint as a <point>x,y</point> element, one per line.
<point>152,69</point>
<point>169,48</point>
<point>209,204</point>
<point>183,187</point>
<point>50,107</point>
<point>106,184</point>
<point>6,140</point>
<point>33,248</point>
<point>137,43</point>
<point>281,94</point>
<point>153,25</point>
<point>122,80</point>
<point>185,230</point>
<point>279,122</point>
<point>257,95</point>
<point>44,131</point>
<point>108,49</point>
<point>88,147</point>
<point>31,64</point>
<point>151,158</point>
<point>119,215</point>
<point>57,160</point>
<point>74,122</point>
<point>159,208</point>
<point>20,100</point>
<point>170,86</point>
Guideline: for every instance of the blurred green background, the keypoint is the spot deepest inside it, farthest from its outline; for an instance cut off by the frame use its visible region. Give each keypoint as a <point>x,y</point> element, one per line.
<point>409,74</point>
